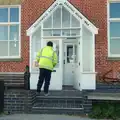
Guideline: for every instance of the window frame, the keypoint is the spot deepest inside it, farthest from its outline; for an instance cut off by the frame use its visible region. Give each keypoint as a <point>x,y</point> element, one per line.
<point>108,26</point>
<point>12,23</point>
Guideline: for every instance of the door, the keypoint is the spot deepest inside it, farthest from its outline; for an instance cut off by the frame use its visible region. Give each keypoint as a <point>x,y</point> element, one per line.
<point>57,74</point>
<point>69,63</point>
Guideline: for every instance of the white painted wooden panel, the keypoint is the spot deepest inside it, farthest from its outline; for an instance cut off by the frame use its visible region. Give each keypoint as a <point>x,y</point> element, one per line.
<point>88,81</point>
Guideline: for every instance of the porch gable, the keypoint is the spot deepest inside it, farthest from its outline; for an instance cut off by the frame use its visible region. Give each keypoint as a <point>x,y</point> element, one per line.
<point>70,8</point>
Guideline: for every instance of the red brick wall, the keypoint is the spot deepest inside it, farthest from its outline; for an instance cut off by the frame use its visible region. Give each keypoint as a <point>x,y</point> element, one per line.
<point>94,10</point>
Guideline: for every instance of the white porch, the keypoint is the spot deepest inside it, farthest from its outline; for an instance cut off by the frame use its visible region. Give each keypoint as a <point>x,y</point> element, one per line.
<point>74,41</point>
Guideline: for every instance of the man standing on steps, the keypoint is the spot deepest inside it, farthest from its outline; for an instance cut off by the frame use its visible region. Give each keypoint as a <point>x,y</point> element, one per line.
<point>47,60</point>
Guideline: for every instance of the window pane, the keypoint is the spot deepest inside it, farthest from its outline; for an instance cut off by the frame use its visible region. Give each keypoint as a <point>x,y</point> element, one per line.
<point>66,32</point>
<point>70,54</point>
<point>14,32</point>
<point>3,48</point>
<point>47,33</point>
<point>115,46</point>
<point>56,32</point>
<point>3,15</point>
<point>57,18</point>
<point>75,22</point>
<point>115,29</point>
<point>56,48</point>
<point>14,14</point>
<point>3,32</point>
<point>65,18</point>
<point>48,23</point>
<point>115,10</point>
<point>76,54</point>
<point>75,32</point>
<point>14,48</point>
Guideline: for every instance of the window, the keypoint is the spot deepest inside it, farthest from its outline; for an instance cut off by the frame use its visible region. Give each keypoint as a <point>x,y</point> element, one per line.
<point>114,29</point>
<point>61,23</point>
<point>10,32</point>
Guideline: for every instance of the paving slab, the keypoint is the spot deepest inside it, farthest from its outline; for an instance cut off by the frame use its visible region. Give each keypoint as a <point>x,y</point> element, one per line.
<point>41,117</point>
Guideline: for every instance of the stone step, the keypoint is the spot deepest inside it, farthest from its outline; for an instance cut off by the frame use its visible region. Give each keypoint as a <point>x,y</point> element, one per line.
<point>107,86</point>
<point>63,93</point>
<point>55,108</point>
<point>59,97</point>
<point>12,80</point>
<point>105,91</point>
<point>60,101</point>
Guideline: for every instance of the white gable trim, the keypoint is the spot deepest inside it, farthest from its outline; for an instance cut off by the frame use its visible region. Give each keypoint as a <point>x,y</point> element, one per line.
<point>72,10</point>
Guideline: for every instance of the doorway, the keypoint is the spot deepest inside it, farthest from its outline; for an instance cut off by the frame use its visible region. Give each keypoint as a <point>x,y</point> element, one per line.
<point>70,59</point>
<point>57,74</point>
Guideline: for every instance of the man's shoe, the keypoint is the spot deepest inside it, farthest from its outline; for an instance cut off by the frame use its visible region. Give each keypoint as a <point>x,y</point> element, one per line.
<point>46,94</point>
<point>38,92</point>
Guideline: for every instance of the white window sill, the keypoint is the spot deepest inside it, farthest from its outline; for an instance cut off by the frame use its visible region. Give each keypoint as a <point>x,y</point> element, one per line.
<point>113,58</point>
<point>11,59</point>
<point>89,72</point>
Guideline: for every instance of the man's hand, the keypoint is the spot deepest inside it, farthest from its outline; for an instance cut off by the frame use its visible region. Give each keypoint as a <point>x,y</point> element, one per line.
<point>35,64</point>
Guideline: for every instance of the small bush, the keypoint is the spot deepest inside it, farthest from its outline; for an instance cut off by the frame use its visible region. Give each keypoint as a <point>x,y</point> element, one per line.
<point>105,110</point>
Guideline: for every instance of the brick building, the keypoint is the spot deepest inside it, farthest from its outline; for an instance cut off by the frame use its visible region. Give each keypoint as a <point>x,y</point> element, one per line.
<point>90,26</point>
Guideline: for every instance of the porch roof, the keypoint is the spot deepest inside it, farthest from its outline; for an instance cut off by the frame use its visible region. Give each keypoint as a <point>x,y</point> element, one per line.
<point>72,10</point>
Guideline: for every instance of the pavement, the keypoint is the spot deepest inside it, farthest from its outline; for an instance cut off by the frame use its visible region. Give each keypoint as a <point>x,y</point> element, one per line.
<point>41,117</point>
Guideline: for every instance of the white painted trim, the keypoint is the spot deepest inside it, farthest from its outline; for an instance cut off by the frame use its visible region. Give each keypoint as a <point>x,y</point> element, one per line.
<point>74,12</point>
<point>89,72</point>
<point>113,38</point>
<point>20,31</point>
<point>114,19</point>
<point>113,1</point>
<point>8,31</point>
<point>61,19</point>
<point>70,28</point>
<point>81,47</point>
<point>30,53</point>
<point>11,72</point>
<point>11,6</point>
<point>9,23</point>
<point>52,23</point>
<point>114,56</point>
<point>70,22</point>
<point>93,51</point>
<point>10,57</point>
<point>62,36</point>
<point>108,30</point>
<point>42,44</point>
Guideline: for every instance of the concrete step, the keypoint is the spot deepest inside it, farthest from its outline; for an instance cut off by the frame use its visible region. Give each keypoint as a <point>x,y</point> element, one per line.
<point>104,91</point>
<point>107,86</point>
<point>63,93</point>
<point>57,108</point>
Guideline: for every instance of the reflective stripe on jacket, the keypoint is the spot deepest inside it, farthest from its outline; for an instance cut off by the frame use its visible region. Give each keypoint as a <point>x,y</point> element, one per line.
<point>47,58</point>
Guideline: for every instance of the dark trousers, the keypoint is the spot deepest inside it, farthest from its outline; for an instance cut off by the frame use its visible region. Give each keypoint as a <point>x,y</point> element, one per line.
<point>44,75</point>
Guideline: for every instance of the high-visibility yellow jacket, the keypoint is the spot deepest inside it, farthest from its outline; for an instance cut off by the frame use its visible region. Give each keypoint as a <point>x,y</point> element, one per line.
<point>47,58</point>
